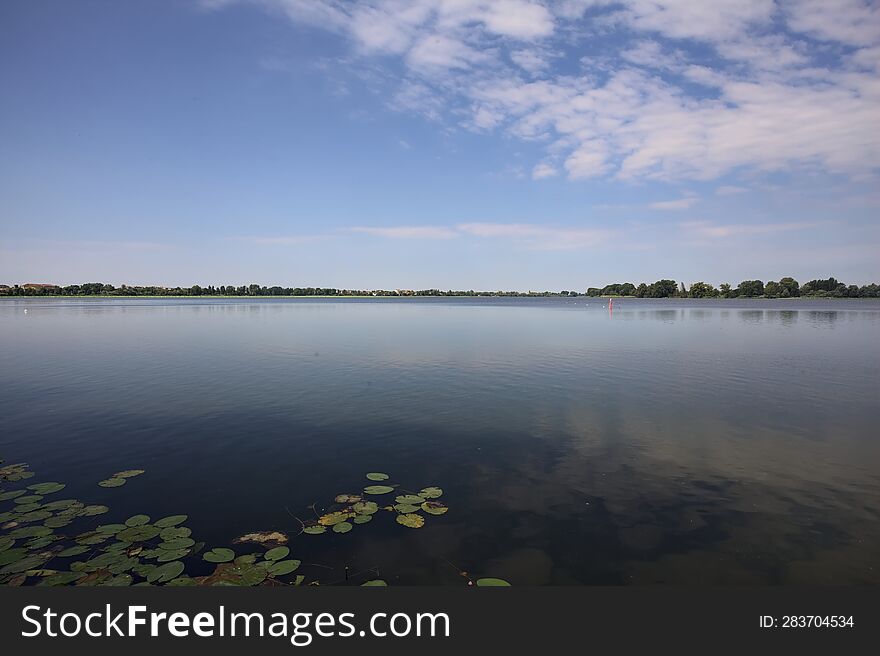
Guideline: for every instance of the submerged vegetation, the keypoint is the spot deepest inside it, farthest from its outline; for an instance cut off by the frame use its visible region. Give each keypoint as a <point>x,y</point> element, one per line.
<point>784,288</point>
<point>34,550</point>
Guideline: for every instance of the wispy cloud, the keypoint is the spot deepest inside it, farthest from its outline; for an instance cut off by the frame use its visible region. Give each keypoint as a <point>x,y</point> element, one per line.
<point>707,230</point>
<point>284,240</point>
<point>539,237</point>
<point>787,86</point>
<point>677,204</point>
<point>409,232</point>
<point>729,190</point>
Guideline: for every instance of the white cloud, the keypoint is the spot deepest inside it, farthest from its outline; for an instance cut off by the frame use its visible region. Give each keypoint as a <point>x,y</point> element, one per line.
<point>709,230</point>
<point>729,190</point>
<point>409,232</point>
<point>539,237</point>
<point>773,99</point>
<point>544,170</point>
<point>677,204</point>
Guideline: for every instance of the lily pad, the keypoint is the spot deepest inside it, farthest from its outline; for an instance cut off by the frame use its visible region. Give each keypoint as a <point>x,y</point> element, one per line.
<point>128,473</point>
<point>112,482</point>
<point>177,543</point>
<point>175,532</point>
<point>334,518</point>
<point>138,533</point>
<point>73,551</point>
<point>165,572</point>
<point>378,489</point>
<point>219,555</point>
<point>365,507</point>
<point>112,529</point>
<point>168,522</point>
<point>164,555</point>
<point>119,581</point>
<point>182,581</point>
<point>30,532</point>
<point>413,499</point>
<point>277,553</point>
<point>29,498</point>
<point>62,578</point>
<point>284,567</point>
<point>40,543</point>
<point>30,562</point>
<point>490,582</point>
<point>269,537</point>
<point>47,488</point>
<point>343,527</point>
<point>378,476</point>
<point>375,583</point>
<point>91,511</point>
<point>254,575</point>
<point>5,543</point>
<point>431,492</point>
<point>61,504</point>
<point>12,494</point>
<point>137,520</point>
<point>362,519</point>
<point>347,498</point>
<point>315,530</point>
<point>411,520</point>
<point>57,522</point>
<point>12,555</point>
<point>406,508</point>
<point>435,507</point>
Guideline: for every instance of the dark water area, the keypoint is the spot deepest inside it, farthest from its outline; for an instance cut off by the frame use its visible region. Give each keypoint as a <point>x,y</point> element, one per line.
<point>668,441</point>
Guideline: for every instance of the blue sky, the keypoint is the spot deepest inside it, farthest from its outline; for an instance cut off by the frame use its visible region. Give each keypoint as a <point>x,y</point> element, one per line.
<point>513,144</point>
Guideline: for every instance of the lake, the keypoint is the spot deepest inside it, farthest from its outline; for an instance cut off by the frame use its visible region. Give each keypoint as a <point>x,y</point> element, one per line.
<point>664,442</point>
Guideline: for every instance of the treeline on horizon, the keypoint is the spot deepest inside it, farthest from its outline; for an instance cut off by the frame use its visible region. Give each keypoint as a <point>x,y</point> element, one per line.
<point>783,288</point>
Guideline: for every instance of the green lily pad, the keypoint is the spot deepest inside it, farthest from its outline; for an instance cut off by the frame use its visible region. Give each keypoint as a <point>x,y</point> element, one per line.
<point>411,520</point>
<point>435,507</point>
<point>362,519</point>
<point>138,520</point>
<point>47,488</point>
<point>174,533</point>
<point>406,508</point>
<point>143,569</point>
<point>40,543</point>
<point>412,499</point>
<point>61,504</point>
<point>378,489</point>
<point>490,582</point>
<point>347,498</point>
<point>73,551</point>
<point>284,567</point>
<point>62,578</point>
<point>168,522</point>
<point>112,482</point>
<point>315,530</point>
<point>254,575</point>
<point>93,538</point>
<point>219,555</point>
<point>128,473</point>
<point>165,555</point>
<point>26,509</point>
<point>177,543</point>
<point>138,533</point>
<point>56,522</point>
<point>375,583</point>
<point>247,559</point>
<point>12,494</point>
<point>112,529</point>
<point>165,572</point>
<point>5,543</point>
<point>30,562</point>
<point>119,581</point>
<point>365,507</point>
<point>431,492</point>
<point>344,527</point>
<point>182,581</point>
<point>91,511</point>
<point>12,555</point>
<point>277,553</point>
<point>29,498</point>
<point>378,476</point>
<point>30,532</point>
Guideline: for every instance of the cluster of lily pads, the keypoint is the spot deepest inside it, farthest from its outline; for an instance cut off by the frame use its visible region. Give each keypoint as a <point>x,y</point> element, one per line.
<point>352,509</point>
<point>35,550</point>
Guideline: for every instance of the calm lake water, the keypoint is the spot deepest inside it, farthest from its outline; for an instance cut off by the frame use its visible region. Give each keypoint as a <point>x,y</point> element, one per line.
<point>696,442</point>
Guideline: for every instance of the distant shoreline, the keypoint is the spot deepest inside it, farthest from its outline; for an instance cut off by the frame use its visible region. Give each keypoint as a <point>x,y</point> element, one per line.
<point>475,296</point>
